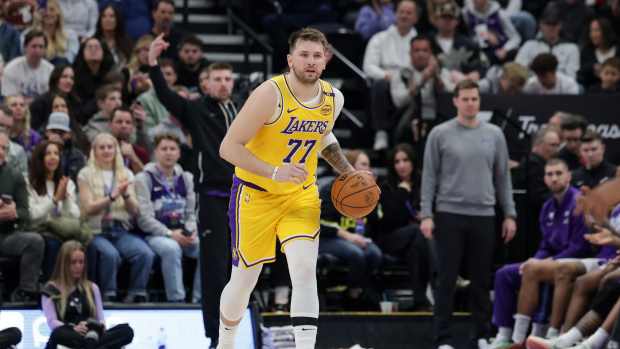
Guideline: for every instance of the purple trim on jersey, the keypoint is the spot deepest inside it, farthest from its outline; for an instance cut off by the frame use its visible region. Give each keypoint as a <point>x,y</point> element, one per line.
<point>233,214</point>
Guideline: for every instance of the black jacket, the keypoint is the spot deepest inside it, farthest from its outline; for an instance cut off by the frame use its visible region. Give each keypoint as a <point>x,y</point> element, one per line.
<point>595,176</point>
<point>570,158</point>
<point>399,206</point>
<point>207,123</point>
<point>189,78</point>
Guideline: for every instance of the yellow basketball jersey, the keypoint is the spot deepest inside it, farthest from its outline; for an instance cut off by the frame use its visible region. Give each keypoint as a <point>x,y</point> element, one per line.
<point>294,137</point>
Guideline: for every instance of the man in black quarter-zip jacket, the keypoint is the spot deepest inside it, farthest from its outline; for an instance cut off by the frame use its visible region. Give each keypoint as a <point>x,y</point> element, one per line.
<point>207,120</point>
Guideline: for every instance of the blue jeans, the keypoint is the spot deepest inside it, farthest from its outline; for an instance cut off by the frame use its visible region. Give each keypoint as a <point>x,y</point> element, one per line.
<point>525,24</point>
<point>362,262</point>
<point>112,249</point>
<point>170,253</point>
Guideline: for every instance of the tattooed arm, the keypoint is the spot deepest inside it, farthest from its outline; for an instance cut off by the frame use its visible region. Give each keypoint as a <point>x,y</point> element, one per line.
<point>333,154</point>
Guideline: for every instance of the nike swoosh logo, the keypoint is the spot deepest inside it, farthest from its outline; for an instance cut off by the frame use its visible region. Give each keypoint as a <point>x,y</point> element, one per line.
<point>307,186</point>
<point>291,110</point>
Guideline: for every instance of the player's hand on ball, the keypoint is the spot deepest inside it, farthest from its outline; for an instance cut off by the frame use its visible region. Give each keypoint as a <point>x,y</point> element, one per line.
<point>295,173</point>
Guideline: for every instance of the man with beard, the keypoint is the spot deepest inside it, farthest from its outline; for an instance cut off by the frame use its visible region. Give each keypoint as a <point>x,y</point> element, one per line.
<point>274,144</point>
<point>517,285</point>
<point>191,62</point>
<point>122,127</point>
<point>163,17</point>
<point>206,119</point>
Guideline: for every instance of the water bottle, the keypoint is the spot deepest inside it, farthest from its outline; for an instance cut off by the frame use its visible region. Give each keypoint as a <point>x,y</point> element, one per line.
<point>161,339</point>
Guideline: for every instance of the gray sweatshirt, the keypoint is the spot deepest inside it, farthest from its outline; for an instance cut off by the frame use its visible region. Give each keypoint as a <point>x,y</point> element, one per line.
<point>150,207</point>
<point>465,169</point>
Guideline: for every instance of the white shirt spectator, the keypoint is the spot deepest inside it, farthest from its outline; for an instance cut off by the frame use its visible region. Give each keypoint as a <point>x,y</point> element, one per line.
<point>567,54</point>
<point>20,78</point>
<point>80,16</point>
<point>387,51</point>
<point>564,85</point>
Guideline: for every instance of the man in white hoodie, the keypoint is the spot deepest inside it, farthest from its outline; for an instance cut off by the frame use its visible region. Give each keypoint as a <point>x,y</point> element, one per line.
<point>386,54</point>
<point>492,29</point>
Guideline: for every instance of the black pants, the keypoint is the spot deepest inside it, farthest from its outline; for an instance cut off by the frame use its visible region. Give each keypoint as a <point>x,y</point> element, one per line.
<point>408,244</point>
<point>10,336</point>
<point>472,239</point>
<point>382,109</point>
<point>113,338</point>
<point>214,259</point>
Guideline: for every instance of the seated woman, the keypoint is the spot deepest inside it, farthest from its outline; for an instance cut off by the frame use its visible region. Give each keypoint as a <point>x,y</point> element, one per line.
<point>400,233</point>
<point>73,309</point>
<point>52,201</point>
<point>168,215</point>
<point>109,205</point>
<point>21,133</point>
<point>348,240</point>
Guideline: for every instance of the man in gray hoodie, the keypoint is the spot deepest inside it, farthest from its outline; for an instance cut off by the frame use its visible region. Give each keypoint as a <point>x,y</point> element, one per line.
<point>168,215</point>
<point>465,170</point>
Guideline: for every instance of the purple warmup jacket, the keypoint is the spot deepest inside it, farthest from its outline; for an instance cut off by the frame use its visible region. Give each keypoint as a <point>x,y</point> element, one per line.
<point>562,230</point>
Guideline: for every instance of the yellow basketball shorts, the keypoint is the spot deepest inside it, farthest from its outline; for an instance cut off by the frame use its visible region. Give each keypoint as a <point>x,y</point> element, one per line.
<point>257,218</point>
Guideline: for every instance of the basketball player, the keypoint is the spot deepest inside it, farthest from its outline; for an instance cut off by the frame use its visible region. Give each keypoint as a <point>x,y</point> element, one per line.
<point>274,144</point>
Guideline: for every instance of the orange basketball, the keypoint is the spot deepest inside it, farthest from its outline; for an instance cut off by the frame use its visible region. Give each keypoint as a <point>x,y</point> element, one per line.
<point>355,194</point>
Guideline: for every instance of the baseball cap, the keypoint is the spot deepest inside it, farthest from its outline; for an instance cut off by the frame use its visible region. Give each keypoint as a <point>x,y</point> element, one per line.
<point>58,121</point>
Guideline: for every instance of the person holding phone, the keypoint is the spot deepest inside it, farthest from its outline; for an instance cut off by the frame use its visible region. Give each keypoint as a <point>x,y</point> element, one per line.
<point>14,216</point>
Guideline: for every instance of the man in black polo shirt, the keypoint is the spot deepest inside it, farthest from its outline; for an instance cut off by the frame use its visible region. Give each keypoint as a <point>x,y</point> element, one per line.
<point>596,169</point>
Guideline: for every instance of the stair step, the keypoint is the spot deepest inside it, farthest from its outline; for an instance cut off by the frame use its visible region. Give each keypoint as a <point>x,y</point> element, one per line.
<point>221,39</point>
<point>179,4</point>
<point>233,57</point>
<point>201,18</point>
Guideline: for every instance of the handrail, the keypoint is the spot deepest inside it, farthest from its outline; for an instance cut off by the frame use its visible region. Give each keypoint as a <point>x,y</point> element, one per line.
<point>350,65</point>
<point>249,31</point>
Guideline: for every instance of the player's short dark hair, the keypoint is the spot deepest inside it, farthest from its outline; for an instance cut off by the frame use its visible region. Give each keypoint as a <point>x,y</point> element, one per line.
<point>465,84</point>
<point>191,39</point>
<point>544,63</point>
<point>573,122</point>
<point>307,34</point>
<point>591,136</point>
<point>556,161</point>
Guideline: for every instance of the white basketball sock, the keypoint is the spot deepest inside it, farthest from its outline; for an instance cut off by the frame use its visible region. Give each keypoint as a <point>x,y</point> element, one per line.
<point>522,323</point>
<point>598,339</point>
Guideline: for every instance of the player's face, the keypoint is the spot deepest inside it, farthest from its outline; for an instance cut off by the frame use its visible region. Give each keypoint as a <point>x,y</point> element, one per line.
<point>167,153</point>
<point>557,178</point>
<point>593,152</point>
<point>307,61</point>
<point>467,103</point>
<point>220,84</point>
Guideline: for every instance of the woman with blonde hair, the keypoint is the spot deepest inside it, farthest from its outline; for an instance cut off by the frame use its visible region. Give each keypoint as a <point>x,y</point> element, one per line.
<point>140,54</point>
<point>62,43</point>
<point>73,308</point>
<point>109,205</point>
<point>20,132</point>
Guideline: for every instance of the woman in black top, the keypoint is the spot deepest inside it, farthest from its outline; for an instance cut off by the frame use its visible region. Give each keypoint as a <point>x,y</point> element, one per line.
<point>400,234</point>
<point>73,308</point>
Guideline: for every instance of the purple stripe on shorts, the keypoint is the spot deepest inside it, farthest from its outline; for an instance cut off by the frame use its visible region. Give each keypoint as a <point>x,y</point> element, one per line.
<point>232,216</point>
